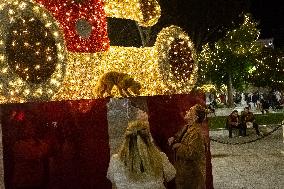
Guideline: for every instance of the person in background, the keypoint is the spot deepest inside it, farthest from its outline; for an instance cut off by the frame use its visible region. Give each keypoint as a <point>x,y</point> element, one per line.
<point>248,119</point>
<point>254,99</point>
<point>233,121</point>
<point>189,146</point>
<point>264,106</point>
<point>139,163</point>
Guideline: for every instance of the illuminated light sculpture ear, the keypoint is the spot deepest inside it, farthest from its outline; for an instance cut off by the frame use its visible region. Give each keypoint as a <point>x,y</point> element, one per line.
<point>145,12</point>
<point>177,59</point>
<point>32,52</point>
<point>71,13</point>
<point>151,12</point>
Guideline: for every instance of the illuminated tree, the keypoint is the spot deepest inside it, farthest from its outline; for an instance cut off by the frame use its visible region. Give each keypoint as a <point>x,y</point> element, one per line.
<point>269,72</point>
<point>229,60</point>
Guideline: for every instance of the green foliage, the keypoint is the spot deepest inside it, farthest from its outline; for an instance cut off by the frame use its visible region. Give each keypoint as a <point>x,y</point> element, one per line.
<point>231,56</point>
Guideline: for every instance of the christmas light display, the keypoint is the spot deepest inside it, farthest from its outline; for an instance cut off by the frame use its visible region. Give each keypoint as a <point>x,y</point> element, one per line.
<point>149,66</point>
<point>70,13</point>
<point>270,65</point>
<point>230,58</point>
<point>207,88</point>
<point>32,52</point>
<point>54,50</point>
<point>177,59</point>
<point>145,12</point>
<point>244,56</point>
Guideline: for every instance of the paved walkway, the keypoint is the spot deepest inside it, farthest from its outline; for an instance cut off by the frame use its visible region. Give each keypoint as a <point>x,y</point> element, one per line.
<point>257,165</point>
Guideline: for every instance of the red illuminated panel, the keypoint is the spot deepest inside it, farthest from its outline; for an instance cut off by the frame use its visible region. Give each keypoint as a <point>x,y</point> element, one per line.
<point>87,16</point>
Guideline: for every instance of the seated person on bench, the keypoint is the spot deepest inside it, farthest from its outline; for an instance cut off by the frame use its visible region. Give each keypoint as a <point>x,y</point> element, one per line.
<point>248,119</point>
<point>233,122</point>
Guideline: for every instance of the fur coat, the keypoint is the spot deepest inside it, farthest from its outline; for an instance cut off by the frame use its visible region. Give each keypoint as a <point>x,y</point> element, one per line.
<point>190,160</point>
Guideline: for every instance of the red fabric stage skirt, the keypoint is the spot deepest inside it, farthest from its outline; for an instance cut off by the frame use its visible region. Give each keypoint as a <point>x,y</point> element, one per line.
<point>68,141</point>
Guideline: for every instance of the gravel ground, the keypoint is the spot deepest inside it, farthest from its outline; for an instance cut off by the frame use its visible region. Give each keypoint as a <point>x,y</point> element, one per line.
<point>257,165</point>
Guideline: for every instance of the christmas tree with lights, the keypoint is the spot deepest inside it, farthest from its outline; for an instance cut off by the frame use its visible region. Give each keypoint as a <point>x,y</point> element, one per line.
<point>229,60</point>
<point>269,72</point>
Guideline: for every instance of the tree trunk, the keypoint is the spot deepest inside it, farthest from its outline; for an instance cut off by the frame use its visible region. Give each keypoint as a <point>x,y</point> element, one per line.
<point>230,92</point>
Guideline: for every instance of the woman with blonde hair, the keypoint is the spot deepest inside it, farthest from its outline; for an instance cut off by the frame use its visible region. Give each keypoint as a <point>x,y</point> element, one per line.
<point>139,164</point>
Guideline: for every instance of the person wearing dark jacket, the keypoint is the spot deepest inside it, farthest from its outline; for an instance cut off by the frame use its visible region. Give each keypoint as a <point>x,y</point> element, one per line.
<point>233,121</point>
<point>247,119</point>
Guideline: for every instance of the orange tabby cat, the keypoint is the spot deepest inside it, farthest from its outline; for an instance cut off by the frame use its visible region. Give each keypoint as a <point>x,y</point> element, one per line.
<point>122,81</point>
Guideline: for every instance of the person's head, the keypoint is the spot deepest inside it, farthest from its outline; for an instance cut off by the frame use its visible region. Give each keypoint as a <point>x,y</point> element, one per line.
<point>138,153</point>
<point>246,109</point>
<point>196,113</point>
<point>235,113</point>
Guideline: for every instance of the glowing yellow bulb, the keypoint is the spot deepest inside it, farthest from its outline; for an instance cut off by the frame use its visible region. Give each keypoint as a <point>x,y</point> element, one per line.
<point>60,56</point>
<point>11,11</point>
<point>38,91</point>
<point>55,34</point>
<point>48,24</point>
<point>2,6</point>
<point>4,70</point>
<point>36,9</point>
<point>26,92</point>
<point>23,5</point>
<point>49,91</point>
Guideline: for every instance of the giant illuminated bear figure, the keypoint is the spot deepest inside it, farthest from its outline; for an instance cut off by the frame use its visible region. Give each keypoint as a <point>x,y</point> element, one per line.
<point>57,50</point>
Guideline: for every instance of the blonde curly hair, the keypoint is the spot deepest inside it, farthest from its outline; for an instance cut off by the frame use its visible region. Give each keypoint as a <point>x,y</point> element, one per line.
<point>139,154</point>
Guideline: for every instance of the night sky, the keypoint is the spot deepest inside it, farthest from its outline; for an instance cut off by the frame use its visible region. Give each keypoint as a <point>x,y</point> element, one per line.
<point>270,15</point>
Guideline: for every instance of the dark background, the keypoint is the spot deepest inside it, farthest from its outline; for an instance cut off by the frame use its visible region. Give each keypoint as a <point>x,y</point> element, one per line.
<point>205,21</point>
<point>270,15</point>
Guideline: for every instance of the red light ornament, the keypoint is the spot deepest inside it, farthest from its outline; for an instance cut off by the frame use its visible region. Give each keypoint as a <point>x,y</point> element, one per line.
<point>83,22</point>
